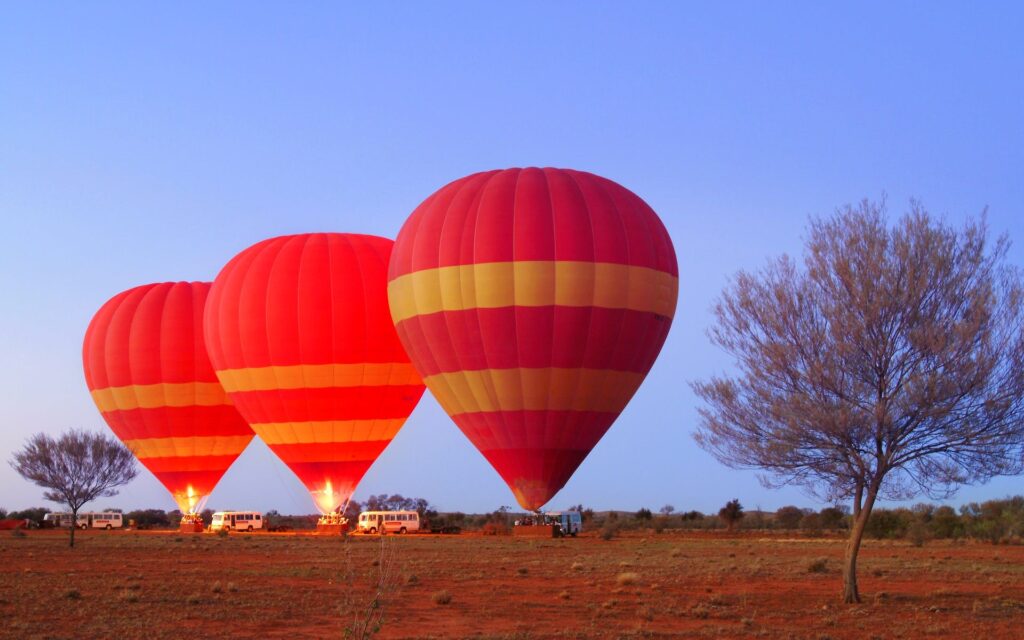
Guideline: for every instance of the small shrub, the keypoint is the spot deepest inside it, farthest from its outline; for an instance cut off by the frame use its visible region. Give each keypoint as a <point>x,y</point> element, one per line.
<point>564,595</point>
<point>127,595</point>
<point>522,571</point>
<point>627,579</point>
<point>194,599</point>
<point>216,588</point>
<point>818,566</point>
<point>700,612</point>
<point>412,579</point>
<point>577,566</point>
<point>73,594</point>
<point>222,533</point>
<point>232,587</point>
<point>917,533</point>
<point>442,597</point>
<point>609,530</point>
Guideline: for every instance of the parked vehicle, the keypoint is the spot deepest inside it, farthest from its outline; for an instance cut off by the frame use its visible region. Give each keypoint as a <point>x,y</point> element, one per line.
<point>86,520</point>
<point>237,521</point>
<point>571,522</point>
<point>388,522</point>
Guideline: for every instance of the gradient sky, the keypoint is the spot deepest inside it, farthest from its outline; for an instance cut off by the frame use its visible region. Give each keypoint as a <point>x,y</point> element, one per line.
<point>152,144</point>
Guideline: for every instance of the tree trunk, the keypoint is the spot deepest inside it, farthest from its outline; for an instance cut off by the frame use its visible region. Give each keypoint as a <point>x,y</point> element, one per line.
<point>850,593</point>
<point>74,525</point>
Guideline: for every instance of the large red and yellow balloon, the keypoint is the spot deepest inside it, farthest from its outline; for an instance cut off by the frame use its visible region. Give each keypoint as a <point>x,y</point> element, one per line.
<point>146,366</point>
<point>299,333</point>
<point>533,302</point>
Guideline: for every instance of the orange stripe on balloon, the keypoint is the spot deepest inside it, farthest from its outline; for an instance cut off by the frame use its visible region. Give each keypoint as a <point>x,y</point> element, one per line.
<point>327,431</point>
<point>188,446</point>
<point>217,464</point>
<point>539,283</point>
<point>168,394</point>
<point>318,376</point>
<point>342,452</point>
<point>534,389</point>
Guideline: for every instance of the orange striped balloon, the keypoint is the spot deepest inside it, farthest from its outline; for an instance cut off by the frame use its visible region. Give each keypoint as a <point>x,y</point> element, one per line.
<point>300,336</point>
<point>533,302</point>
<point>147,369</point>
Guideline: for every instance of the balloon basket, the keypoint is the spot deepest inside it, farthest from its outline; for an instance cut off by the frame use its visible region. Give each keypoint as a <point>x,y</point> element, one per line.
<point>332,529</point>
<point>188,525</point>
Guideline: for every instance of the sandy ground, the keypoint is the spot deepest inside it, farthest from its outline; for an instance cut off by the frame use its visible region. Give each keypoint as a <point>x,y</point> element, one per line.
<point>169,585</point>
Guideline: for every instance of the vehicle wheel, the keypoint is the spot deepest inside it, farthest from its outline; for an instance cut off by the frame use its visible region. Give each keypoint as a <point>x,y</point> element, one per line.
<point>402,530</point>
<point>249,529</point>
<point>83,527</point>
<point>373,530</point>
<point>109,527</point>
<point>574,534</point>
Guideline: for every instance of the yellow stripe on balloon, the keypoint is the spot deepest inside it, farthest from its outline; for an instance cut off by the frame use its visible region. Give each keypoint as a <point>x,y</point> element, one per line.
<point>319,376</point>
<point>327,431</point>
<point>534,389</point>
<point>195,446</point>
<point>153,396</point>
<point>527,283</point>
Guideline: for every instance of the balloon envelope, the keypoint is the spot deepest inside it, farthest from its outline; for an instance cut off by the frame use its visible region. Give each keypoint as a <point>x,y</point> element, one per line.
<point>299,333</point>
<point>146,366</point>
<point>533,302</point>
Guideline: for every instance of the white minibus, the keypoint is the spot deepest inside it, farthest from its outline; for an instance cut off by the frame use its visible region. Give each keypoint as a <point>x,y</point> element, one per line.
<point>388,521</point>
<point>237,521</point>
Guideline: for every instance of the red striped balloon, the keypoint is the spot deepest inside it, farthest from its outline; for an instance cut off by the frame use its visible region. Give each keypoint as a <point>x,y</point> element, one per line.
<point>533,302</point>
<point>299,333</point>
<point>146,366</point>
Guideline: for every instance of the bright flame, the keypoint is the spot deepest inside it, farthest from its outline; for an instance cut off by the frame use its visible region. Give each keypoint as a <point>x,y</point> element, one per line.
<point>326,499</point>
<point>190,501</point>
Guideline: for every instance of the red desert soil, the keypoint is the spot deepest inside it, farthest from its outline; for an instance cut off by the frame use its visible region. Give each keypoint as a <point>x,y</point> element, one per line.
<point>171,585</point>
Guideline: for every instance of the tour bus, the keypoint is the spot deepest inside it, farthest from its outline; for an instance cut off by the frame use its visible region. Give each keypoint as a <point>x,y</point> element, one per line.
<point>86,520</point>
<point>388,521</point>
<point>237,521</point>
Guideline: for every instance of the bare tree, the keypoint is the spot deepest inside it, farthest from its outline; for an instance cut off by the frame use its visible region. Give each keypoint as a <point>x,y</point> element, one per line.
<point>76,468</point>
<point>890,365</point>
<point>731,513</point>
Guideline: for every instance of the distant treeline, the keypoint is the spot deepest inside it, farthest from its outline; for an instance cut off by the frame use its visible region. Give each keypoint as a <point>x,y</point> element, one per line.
<point>996,521</point>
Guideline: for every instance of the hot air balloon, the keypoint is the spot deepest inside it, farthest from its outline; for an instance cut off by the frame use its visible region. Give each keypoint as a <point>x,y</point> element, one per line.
<point>149,375</point>
<point>299,333</point>
<point>533,302</point>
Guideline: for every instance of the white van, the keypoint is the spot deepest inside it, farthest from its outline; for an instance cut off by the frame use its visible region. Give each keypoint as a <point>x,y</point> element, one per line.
<point>388,521</point>
<point>237,521</point>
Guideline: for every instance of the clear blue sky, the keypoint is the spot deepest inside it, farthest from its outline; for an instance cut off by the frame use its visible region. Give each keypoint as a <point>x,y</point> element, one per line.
<point>151,144</point>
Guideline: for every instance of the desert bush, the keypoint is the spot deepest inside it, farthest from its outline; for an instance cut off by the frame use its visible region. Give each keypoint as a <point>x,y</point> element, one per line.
<point>888,523</point>
<point>917,533</point>
<point>810,522</point>
<point>643,514</point>
<point>442,597</point>
<point>659,524</point>
<point>609,530</point>
<point>819,565</point>
<point>17,533</point>
<point>788,517</point>
<point>627,579</point>
<point>731,513</point>
<point>222,533</point>
<point>832,518</point>
<point>945,523</point>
